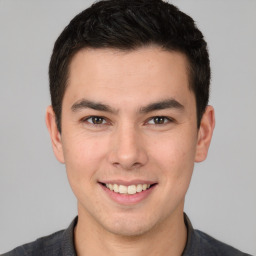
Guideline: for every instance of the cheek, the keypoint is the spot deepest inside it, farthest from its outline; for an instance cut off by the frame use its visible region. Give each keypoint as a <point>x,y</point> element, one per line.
<point>175,157</point>
<point>83,156</point>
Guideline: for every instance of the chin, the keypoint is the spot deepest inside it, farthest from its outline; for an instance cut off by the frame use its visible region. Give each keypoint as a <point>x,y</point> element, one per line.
<point>128,230</point>
<point>129,227</point>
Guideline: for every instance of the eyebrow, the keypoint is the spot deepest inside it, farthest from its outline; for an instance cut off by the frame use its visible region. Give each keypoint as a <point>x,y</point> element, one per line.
<point>164,104</point>
<point>82,104</point>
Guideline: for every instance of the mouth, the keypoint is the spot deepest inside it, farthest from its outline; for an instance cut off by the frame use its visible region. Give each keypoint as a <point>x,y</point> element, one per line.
<point>127,190</point>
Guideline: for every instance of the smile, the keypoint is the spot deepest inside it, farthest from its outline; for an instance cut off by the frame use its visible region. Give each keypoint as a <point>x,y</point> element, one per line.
<point>130,190</point>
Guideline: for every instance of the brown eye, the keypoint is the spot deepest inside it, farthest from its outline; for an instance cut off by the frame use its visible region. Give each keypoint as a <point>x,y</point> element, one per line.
<point>96,120</point>
<point>159,119</point>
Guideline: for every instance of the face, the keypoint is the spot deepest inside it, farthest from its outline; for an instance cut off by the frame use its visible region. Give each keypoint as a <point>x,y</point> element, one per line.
<point>129,137</point>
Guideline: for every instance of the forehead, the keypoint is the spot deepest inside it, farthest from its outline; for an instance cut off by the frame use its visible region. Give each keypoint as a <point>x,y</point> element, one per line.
<point>150,73</point>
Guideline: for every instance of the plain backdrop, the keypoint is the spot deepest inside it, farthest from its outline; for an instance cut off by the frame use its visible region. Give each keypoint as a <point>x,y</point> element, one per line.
<point>35,197</point>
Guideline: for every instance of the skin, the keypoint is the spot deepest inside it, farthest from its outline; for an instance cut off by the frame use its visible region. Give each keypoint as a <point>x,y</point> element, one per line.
<point>129,144</point>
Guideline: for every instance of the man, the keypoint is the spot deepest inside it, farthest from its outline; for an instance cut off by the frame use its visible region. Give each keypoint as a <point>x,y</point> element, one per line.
<point>129,84</point>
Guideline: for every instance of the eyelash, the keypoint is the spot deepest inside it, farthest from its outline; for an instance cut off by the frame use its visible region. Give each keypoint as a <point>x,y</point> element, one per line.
<point>165,120</point>
<point>95,117</point>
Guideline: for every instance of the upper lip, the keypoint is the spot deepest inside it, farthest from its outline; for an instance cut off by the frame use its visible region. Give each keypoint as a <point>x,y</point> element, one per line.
<point>127,183</point>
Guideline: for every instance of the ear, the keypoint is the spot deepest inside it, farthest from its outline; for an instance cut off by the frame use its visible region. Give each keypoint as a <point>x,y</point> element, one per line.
<point>54,134</point>
<point>205,134</point>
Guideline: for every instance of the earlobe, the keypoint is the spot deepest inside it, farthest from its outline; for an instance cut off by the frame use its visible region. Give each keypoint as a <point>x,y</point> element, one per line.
<point>205,134</point>
<point>54,134</point>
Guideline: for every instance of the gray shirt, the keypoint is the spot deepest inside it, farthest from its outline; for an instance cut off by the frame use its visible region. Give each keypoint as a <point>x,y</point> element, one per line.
<point>61,243</point>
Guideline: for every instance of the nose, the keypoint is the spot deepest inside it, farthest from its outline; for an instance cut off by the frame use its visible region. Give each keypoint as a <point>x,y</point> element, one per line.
<point>127,149</point>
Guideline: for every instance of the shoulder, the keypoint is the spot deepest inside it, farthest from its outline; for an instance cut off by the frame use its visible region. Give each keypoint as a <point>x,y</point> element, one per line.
<point>201,244</point>
<point>48,245</point>
<point>56,244</point>
<point>211,246</point>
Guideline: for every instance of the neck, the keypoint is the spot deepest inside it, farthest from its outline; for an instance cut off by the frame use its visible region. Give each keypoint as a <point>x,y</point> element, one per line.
<point>167,238</point>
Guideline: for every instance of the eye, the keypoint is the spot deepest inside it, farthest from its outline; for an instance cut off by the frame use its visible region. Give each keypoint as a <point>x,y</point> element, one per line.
<point>95,120</point>
<point>158,120</point>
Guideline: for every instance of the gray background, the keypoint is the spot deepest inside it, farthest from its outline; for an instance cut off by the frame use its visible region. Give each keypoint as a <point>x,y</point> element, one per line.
<point>35,198</point>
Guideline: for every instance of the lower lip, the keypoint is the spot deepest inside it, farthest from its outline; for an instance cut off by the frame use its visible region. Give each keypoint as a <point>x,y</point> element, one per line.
<point>127,199</point>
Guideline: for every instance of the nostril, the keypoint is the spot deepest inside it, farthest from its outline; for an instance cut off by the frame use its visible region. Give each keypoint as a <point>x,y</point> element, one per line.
<point>127,165</point>
<point>136,165</point>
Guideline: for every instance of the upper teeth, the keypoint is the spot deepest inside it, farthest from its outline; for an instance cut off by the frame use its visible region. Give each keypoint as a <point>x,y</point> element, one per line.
<point>132,189</point>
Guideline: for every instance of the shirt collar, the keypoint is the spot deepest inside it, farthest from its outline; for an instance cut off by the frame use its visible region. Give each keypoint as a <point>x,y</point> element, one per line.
<point>68,247</point>
<point>191,248</point>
